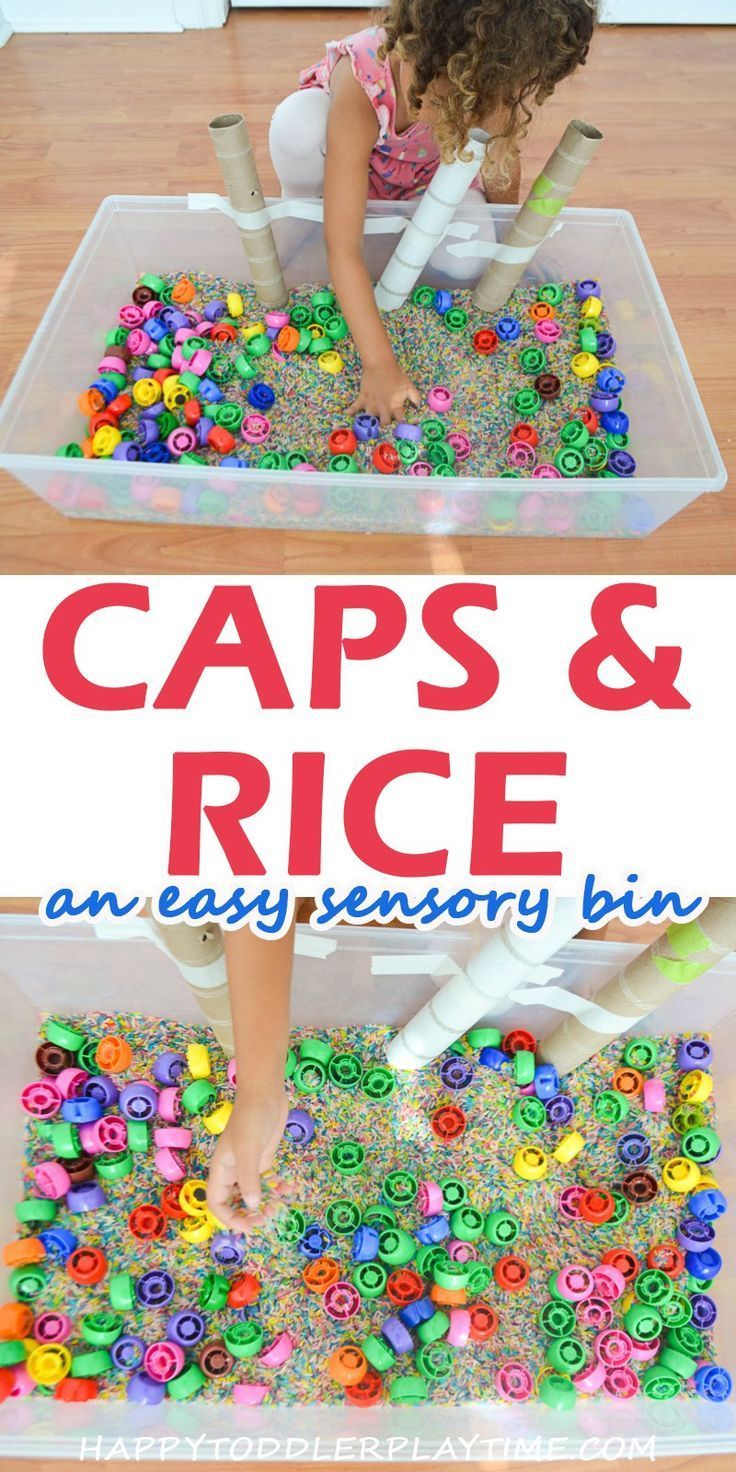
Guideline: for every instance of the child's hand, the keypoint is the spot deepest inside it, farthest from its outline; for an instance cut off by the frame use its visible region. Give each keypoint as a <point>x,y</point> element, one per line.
<point>245,1149</point>
<point>384,389</point>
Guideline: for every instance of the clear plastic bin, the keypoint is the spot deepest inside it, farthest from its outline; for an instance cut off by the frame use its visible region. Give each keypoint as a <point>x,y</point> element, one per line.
<point>671,439</point>
<point>70,970</point>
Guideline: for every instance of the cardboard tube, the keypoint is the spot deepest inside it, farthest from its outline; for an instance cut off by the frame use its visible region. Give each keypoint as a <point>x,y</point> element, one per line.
<point>231,143</point>
<point>548,194</point>
<point>674,960</point>
<point>428,223</point>
<point>199,953</point>
<point>496,969</point>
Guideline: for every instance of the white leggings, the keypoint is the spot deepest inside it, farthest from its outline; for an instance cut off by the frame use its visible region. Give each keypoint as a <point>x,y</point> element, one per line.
<point>298,143</point>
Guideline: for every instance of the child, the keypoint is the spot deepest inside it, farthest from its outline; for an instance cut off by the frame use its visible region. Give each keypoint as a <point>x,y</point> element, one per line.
<point>376,115</point>
<point>259,982</point>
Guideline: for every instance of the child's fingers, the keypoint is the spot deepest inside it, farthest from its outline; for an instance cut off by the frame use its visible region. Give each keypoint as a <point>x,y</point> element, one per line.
<point>414,396</point>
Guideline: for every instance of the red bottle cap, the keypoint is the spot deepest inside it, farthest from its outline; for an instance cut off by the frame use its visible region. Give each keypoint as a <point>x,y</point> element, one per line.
<point>244,1290</point>
<point>511,1273</point>
<point>589,418</point>
<point>147,1222</point>
<point>76,1390</point>
<point>342,442</point>
<point>596,1207</point>
<point>519,1041</point>
<point>485,341</point>
<point>368,1391</point>
<point>624,1260</point>
<point>525,434</point>
<point>192,411</point>
<point>483,1322</point>
<point>170,1205</point>
<point>667,1257</point>
<point>448,1122</point>
<point>220,439</point>
<point>386,458</point>
<point>86,1265</point>
<point>404,1286</point>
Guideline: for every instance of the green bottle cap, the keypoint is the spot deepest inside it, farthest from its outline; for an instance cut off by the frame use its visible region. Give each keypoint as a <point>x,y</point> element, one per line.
<point>309,1076</point>
<point>423,296</point>
<point>429,1257</point>
<point>588,340</point>
<point>566,1354</point>
<point>290,1064</point>
<point>122,1292</point>
<point>467,1224</point>
<point>370,1278</point>
<point>213,1292</point>
<point>524,1066</point>
<point>12,1352</point>
<point>396,1247</point>
<point>677,1311</point>
<point>551,292</point>
<point>289,1225</point>
<point>399,1188</point>
<point>342,1217</point>
<point>342,464</point>
<point>101,1329</point>
<point>529,1114</point>
<point>431,1329</point>
<point>221,370</point>
<point>155,284</point>
<point>300,315</point>
<point>315,1050</point>
<point>701,1144</point>
<point>653,1287</point>
<point>63,1037</point>
<point>440,455</point>
<point>527,402</point>
<point>189,379</point>
<point>569,462</point>
<point>532,360</point>
<point>378,1082</point>
<point>454,1193</point>
<point>323,314</point>
<point>687,1117</point>
<point>621,1209</point>
<point>188,1383</point>
<point>641,1054</point>
<point>659,1383</point>
<point>35,1209</point>
<point>408,1390</point>
<point>90,1364</point>
<point>643,1323</point>
<point>686,1338</point>
<point>244,1339</point>
<point>322,298</point>
<point>65,1140</point>
<point>198,1096</point>
<point>27,1281</point>
<point>408,451</point>
<point>320,345</point>
<point>378,1353</point>
<point>347,1157</point>
<point>451,1274</point>
<point>501,1228</point>
<point>557,1392</point>
<point>610,1107</point>
<point>114,1167</point>
<point>557,1318</point>
<point>456,320</point>
<point>72,451</point>
<point>245,368</point>
<point>336,327</point>
<point>679,1363</point>
<point>480,1278</point>
<point>435,1361</point>
<point>230,416</point>
<point>257,346</point>
<point>379,1216</point>
<point>484,1037</point>
<point>433,431</point>
<point>345,1070</point>
<point>139,1136</point>
<point>574,434</point>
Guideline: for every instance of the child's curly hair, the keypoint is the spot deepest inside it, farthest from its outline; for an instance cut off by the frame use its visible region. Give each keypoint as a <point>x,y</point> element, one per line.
<point>498,55</point>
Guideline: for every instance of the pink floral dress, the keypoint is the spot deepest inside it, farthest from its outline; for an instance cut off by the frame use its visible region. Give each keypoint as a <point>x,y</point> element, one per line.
<point>401,164</point>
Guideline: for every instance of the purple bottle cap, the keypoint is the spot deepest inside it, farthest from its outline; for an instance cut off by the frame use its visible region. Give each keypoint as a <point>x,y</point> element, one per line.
<point>139,373</point>
<point>299,1126</point>
<point>127,1352</point>
<point>603,403</point>
<point>693,1234</point>
<point>397,1336</point>
<point>88,1196</point>
<point>145,1391</point>
<point>404,431</point>
<point>560,1109</point>
<point>203,427</point>
<point>215,310</point>
<point>366,427</point>
<point>169,1067</point>
<point>227,1249</point>
<point>175,319</point>
<point>704,1310</point>
<point>456,1073</point>
<point>139,1101</point>
<point>587,288</point>
<point>155,1288</point>
<point>126,450</point>
<point>147,432</point>
<point>186,1328</point>
<point>622,463</point>
<point>694,1053</point>
<point>153,410</point>
<point>633,1148</point>
<point>606,346</point>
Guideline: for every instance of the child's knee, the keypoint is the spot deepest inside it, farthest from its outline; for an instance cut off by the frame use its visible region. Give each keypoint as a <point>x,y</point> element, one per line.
<point>299,123</point>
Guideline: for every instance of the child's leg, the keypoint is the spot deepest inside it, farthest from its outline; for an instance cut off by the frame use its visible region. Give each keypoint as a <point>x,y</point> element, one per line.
<point>298,142</point>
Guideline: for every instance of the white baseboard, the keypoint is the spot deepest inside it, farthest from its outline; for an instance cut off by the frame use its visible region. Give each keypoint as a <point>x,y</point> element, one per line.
<point>137,16</point>
<point>6,32</point>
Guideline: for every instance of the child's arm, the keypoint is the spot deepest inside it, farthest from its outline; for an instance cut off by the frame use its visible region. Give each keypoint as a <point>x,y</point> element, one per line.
<point>259,981</point>
<point>351,135</point>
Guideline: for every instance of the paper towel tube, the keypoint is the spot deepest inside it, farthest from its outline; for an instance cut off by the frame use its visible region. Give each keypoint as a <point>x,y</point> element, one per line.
<point>428,223</point>
<point>676,958</point>
<point>500,965</point>
<point>231,143</point>
<point>199,953</point>
<point>545,199</point>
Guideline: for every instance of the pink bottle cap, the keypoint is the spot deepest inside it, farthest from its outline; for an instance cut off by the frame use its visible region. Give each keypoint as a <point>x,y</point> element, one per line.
<point>590,1379</point>
<point>163,1360</point>
<point>112,1132</point>
<point>51,1179</point>
<point>460,444</point>
<point>341,1301</point>
<point>278,1351</point>
<point>642,1352</point>
<point>249,1395</point>
<point>168,1165</point>
<point>89,1138</point>
<point>595,1313</point>
<point>173,1137</point>
<point>609,1282</point>
<point>569,1203</point>
<point>139,342</point>
<point>232,1067</point>
<point>546,472</point>
<point>654,1095</point>
<point>169,1105</point>
<point>71,1081</point>
<point>513,1381</point>
<point>42,1098</point>
<point>22,1383</point>
<point>277,320</point>
<point>200,361</point>
<point>575,1283</point>
<point>429,1198</point>
<point>178,361</point>
<point>462,1251</point>
<point>459,1330</point>
<point>256,429</point>
<point>622,1383</point>
<point>52,1328</point>
<point>440,399</point>
<point>613,1348</point>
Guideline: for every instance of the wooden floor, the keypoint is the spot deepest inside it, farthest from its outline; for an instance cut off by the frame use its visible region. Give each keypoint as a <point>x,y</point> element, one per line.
<point>84,116</point>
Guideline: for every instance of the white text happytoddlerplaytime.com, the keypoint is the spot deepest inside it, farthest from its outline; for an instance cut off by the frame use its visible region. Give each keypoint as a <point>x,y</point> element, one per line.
<point>365,1449</point>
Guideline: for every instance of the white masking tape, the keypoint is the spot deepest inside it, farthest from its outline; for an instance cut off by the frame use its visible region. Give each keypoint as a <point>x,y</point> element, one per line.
<point>589,1013</point>
<point>313,209</point>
